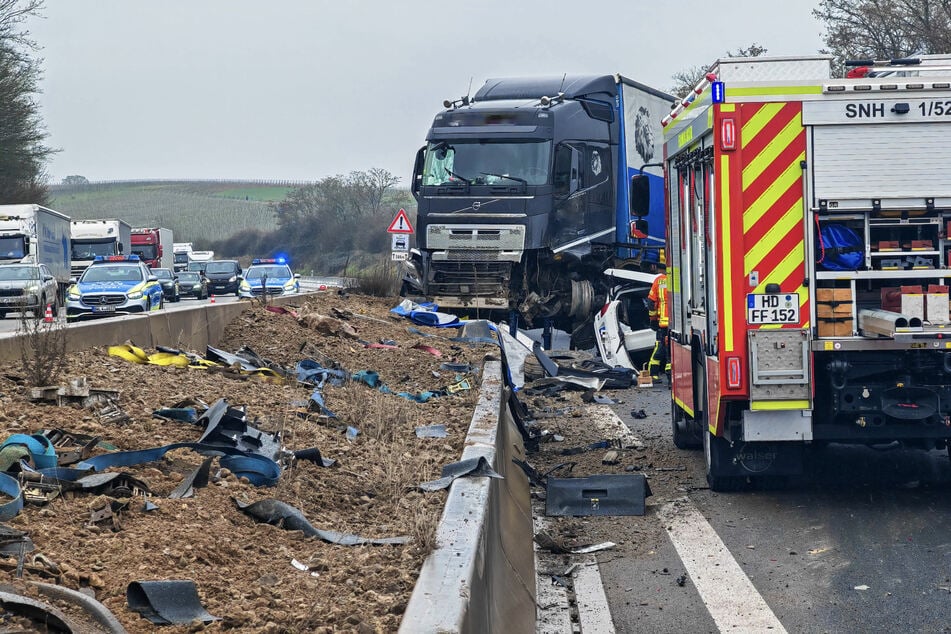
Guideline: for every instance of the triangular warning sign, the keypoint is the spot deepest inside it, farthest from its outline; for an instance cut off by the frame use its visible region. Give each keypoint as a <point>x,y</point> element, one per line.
<point>400,224</point>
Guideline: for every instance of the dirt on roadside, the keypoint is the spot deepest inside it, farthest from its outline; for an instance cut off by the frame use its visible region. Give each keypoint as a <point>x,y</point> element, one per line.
<point>244,570</point>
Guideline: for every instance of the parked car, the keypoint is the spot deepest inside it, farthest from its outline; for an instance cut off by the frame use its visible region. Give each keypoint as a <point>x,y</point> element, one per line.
<point>192,284</point>
<point>114,285</point>
<point>224,276</point>
<point>27,287</point>
<point>271,276</point>
<point>169,282</point>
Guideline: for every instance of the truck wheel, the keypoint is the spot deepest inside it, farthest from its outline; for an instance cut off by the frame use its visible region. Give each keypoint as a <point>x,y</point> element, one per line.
<point>717,452</point>
<point>685,430</point>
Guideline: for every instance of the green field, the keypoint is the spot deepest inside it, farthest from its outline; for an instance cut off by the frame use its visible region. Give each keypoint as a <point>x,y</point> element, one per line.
<point>195,211</point>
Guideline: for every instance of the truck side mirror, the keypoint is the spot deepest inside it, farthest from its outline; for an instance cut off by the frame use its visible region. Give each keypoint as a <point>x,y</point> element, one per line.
<point>121,248</point>
<point>640,195</point>
<point>418,170</point>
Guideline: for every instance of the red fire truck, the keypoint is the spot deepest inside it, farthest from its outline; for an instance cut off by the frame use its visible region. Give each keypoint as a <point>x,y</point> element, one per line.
<point>808,223</point>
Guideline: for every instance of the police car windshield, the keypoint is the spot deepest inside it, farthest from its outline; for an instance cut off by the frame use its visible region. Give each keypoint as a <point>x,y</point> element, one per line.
<point>9,273</point>
<point>112,273</point>
<point>272,272</point>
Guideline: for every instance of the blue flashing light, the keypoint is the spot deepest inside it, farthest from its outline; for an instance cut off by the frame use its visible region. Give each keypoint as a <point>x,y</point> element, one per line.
<point>116,258</point>
<point>717,92</point>
<point>269,261</point>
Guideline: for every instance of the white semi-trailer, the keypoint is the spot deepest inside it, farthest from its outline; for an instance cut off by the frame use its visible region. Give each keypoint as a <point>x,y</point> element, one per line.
<point>31,233</point>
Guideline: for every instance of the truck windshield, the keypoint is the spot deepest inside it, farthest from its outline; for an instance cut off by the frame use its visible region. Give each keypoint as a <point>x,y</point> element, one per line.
<point>181,258</point>
<point>145,251</point>
<point>487,162</point>
<point>12,248</point>
<point>83,250</point>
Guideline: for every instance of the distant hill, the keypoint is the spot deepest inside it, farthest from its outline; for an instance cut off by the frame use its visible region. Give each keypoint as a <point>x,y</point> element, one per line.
<point>195,211</point>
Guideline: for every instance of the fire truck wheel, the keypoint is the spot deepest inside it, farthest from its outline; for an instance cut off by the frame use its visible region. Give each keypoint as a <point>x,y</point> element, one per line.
<point>717,452</point>
<point>685,431</point>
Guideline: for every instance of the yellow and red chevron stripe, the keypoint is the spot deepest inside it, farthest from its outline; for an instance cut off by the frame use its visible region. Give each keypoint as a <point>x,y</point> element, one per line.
<point>773,145</point>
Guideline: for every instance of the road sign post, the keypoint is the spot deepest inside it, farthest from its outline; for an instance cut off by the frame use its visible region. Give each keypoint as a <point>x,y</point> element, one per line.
<point>401,229</point>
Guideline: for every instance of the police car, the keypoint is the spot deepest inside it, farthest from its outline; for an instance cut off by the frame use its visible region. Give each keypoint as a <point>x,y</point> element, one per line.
<point>273,276</point>
<point>113,285</point>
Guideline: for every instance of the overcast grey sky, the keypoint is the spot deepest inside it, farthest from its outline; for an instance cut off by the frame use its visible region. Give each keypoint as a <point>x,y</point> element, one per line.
<point>302,89</point>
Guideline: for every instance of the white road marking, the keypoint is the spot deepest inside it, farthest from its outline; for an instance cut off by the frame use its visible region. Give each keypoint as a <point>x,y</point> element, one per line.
<point>593,609</point>
<point>724,588</point>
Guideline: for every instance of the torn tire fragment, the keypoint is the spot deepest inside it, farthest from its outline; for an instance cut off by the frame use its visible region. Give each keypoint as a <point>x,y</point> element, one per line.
<point>167,602</point>
<point>290,518</point>
<point>470,467</point>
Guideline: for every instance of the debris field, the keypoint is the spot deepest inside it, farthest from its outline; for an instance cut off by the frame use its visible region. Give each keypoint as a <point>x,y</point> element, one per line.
<point>249,575</point>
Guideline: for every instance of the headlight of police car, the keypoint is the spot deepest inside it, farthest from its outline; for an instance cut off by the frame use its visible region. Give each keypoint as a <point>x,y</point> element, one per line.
<point>73,294</point>
<point>245,286</point>
<point>289,285</point>
<point>134,295</point>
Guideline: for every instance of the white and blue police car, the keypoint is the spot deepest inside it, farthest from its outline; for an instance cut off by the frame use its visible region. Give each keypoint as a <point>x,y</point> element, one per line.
<point>272,276</point>
<point>113,285</point>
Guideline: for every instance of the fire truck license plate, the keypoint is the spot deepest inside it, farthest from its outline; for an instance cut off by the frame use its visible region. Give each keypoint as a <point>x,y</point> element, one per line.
<point>772,308</point>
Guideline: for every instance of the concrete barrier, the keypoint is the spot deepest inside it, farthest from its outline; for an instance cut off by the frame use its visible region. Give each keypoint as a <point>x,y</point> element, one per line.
<point>481,575</point>
<point>189,328</point>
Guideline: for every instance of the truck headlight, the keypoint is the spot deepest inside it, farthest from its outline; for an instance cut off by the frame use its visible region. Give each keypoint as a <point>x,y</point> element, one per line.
<point>32,289</point>
<point>134,295</point>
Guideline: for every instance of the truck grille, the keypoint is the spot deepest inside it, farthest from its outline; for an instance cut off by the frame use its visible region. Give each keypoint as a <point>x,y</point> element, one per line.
<point>11,292</point>
<point>103,299</point>
<point>472,278</point>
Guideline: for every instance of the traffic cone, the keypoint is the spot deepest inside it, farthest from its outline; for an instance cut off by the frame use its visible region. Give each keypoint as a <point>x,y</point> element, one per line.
<point>48,317</point>
<point>211,299</point>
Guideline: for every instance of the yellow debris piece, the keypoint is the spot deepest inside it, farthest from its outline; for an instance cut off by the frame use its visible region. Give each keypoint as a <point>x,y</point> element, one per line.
<point>128,352</point>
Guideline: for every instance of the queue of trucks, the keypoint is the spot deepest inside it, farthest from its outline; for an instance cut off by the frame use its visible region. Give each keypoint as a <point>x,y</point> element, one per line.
<point>33,234</point>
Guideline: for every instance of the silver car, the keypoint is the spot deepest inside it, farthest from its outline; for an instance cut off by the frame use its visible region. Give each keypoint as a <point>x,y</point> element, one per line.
<point>27,287</point>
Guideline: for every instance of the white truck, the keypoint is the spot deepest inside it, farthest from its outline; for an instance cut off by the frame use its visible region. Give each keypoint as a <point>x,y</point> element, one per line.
<point>197,260</point>
<point>90,238</point>
<point>35,234</point>
<point>183,252</point>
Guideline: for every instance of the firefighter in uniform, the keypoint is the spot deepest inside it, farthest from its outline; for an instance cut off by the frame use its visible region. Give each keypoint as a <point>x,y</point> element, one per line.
<point>660,319</point>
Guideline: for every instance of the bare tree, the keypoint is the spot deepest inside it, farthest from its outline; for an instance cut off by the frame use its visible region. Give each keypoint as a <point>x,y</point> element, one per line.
<point>884,29</point>
<point>686,79</point>
<point>22,134</point>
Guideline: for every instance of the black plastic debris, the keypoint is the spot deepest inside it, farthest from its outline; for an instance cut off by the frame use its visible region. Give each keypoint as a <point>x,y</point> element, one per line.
<point>13,541</point>
<point>70,447</point>
<point>227,426</point>
<point>181,414</point>
<point>534,477</point>
<point>597,495</point>
<point>167,602</point>
<point>583,372</point>
<point>197,479</point>
<point>464,468</point>
<point>290,518</point>
<point>638,413</point>
<point>431,431</point>
<point>313,455</point>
